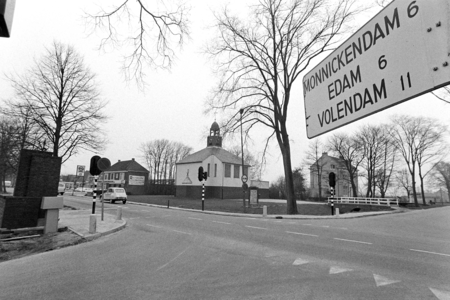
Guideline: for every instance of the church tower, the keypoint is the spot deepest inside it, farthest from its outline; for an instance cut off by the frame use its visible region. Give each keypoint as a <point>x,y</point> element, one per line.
<point>214,138</point>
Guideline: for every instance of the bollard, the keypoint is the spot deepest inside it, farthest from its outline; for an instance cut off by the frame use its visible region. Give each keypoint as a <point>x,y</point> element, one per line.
<point>168,203</point>
<point>265,211</point>
<point>92,223</point>
<point>119,213</point>
<point>337,211</point>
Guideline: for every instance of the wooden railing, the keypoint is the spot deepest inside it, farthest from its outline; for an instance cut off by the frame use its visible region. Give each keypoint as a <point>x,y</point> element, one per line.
<point>359,200</point>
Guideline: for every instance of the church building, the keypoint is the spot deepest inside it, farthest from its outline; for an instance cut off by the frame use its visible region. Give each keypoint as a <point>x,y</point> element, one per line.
<point>224,171</point>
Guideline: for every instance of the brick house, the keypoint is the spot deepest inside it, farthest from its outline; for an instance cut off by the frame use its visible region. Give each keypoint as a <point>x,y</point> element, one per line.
<point>330,164</point>
<point>128,174</point>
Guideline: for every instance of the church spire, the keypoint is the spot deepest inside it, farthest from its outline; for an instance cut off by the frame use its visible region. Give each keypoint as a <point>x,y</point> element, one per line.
<point>214,138</point>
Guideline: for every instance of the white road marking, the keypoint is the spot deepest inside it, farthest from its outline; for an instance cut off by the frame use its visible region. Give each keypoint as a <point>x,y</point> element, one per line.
<point>337,270</point>
<point>221,222</point>
<point>325,226</point>
<point>195,219</point>
<point>256,227</point>
<point>182,232</point>
<point>250,218</point>
<point>429,252</point>
<point>154,226</point>
<point>299,233</point>
<point>299,261</point>
<point>440,294</point>
<point>353,241</point>
<point>380,280</point>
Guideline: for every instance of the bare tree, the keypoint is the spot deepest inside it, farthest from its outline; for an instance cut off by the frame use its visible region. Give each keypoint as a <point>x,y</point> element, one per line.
<point>312,159</point>
<point>443,94</point>
<point>260,59</point>
<point>351,151</point>
<point>9,143</point>
<point>402,178</point>
<point>249,159</point>
<point>441,175</point>
<point>59,95</point>
<point>379,157</point>
<point>146,32</point>
<point>161,157</point>
<point>419,141</point>
<point>387,167</point>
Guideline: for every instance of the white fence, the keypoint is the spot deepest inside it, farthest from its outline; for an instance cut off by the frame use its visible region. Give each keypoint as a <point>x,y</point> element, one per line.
<point>359,200</point>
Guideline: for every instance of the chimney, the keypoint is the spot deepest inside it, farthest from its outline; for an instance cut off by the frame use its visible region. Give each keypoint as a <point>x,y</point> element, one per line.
<point>132,159</point>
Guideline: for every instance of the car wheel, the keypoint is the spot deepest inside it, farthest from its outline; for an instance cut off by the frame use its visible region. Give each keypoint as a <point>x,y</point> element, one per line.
<point>124,201</point>
<point>61,194</point>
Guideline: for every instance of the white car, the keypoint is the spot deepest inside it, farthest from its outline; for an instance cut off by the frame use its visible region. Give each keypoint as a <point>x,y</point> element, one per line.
<point>115,194</point>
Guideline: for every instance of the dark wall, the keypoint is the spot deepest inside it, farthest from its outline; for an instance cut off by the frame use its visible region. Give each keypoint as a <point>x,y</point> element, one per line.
<point>19,212</point>
<point>38,174</point>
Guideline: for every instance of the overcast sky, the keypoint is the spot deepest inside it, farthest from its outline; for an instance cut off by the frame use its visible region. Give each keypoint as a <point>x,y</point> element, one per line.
<point>172,105</point>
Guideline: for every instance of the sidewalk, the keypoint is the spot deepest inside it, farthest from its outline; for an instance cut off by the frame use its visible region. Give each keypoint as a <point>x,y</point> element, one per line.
<point>78,222</point>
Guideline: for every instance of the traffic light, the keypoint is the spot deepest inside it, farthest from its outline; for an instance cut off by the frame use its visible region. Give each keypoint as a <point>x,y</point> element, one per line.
<point>202,175</point>
<point>332,179</point>
<point>93,168</point>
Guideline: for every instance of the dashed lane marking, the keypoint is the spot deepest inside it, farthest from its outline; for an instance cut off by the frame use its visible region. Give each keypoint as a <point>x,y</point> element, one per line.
<point>381,281</point>
<point>182,232</point>
<point>198,219</point>
<point>429,252</point>
<point>338,270</point>
<point>353,241</point>
<point>299,262</point>
<point>218,222</point>
<point>255,227</point>
<point>300,233</point>
<point>441,294</point>
<point>154,226</point>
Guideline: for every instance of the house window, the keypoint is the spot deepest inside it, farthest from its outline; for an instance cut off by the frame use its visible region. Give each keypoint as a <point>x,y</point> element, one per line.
<point>227,170</point>
<point>209,167</point>
<point>116,176</point>
<point>333,166</point>
<point>236,171</point>
<point>215,170</point>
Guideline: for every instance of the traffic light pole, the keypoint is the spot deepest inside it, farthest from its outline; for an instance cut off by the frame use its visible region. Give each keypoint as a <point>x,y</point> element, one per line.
<point>203,195</point>
<point>94,194</point>
<point>332,201</point>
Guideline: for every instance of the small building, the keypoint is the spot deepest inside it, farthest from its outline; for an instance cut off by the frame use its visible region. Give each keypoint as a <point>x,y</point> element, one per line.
<point>128,174</point>
<point>224,171</point>
<point>330,164</point>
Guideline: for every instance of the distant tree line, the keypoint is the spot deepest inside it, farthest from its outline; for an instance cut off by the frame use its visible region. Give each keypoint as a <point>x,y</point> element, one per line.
<point>161,156</point>
<point>399,154</point>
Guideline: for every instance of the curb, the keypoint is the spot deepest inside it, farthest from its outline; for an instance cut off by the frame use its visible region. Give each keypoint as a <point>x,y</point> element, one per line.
<point>99,234</point>
<point>292,217</point>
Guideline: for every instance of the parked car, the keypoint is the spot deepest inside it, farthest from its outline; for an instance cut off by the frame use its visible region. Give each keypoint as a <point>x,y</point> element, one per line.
<point>115,194</point>
<point>61,188</point>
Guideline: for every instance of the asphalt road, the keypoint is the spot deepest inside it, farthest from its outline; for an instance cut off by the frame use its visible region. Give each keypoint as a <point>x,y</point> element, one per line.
<point>174,254</point>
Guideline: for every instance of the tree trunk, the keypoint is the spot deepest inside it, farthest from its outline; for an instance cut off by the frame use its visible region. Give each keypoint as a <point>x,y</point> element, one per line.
<point>291,203</point>
<point>421,188</point>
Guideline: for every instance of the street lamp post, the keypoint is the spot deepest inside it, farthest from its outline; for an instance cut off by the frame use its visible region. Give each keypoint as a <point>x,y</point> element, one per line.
<point>242,153</point>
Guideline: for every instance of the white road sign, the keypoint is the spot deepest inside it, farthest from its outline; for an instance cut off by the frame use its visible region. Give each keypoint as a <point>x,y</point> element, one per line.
<point>136,180</point>
<point>401,53</point>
